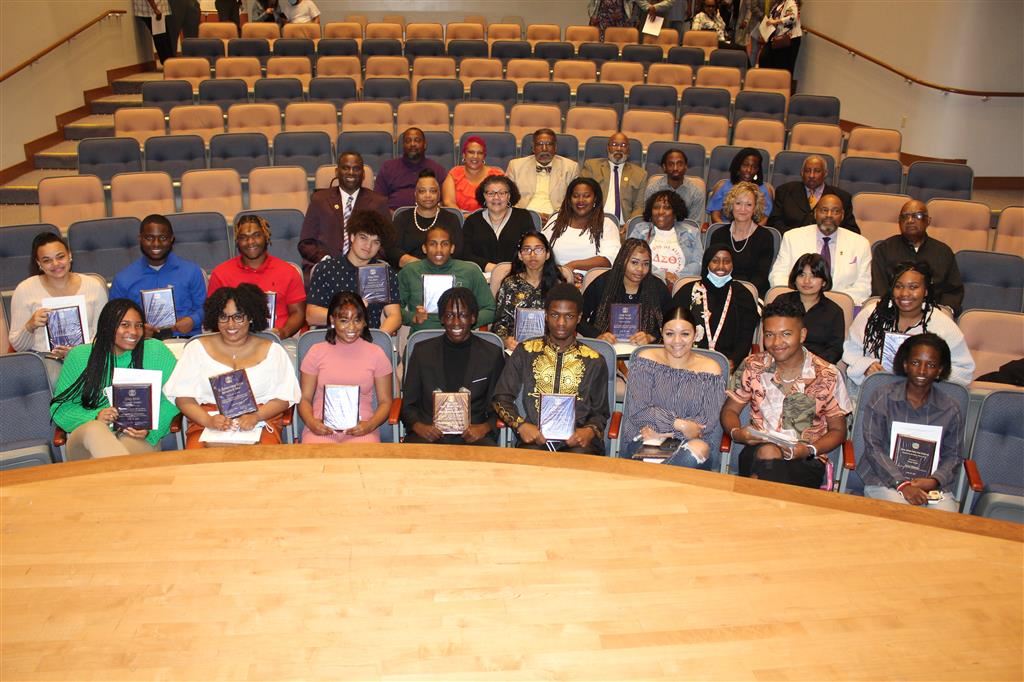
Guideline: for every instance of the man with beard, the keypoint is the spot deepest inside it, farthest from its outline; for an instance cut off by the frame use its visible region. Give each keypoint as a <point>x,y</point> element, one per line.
<point>543,177</point>
<point>397,178</point>
<point>675,165</point>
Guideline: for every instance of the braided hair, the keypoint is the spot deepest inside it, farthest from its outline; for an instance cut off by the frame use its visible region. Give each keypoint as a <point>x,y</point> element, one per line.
<point>886,316</point>
<point>615,290</point>
<point>99,368</point>
<point>550,274</point>
<point>595,221</point>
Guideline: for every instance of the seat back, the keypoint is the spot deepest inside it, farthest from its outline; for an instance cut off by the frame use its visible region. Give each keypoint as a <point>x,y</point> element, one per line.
<point>536,33</point>
<point>390,90</point>
<point>473,68</point>
<point>344,29</point>
<point>16,254</point>
<point>424,47</point>
<point>308,30</point>
<point>757,104</point>
<point>522,71</point>
<point>424,31</point>
<point>225,30</point>
<point>643,54</point>
<point>558,94</point>
<point>497,32</point>
<point>367,116</point>
<point>705,40</point>
<point>311,117</point>
<point>927,180</point>
<point>309,150</point>
<point>876,143</point>
<point>648,126</point>
<point>387,67</point>
<point>864,174</point>
<point>106,156</point>
<point>295,47</point>
<point>526,118</point>
<point>478,117</point>
<point>722,157</point>
<point>737,59</point>
<point>463,49</point>
<point>464,31</point>
<point>449,91</point>
<point>202,238</point>
<point>423,115</point>
<point>280,187</point>
<point>501,147</point>
<point>577,35</point>
<point>600,53</point>
<point>818,138</point>
<point>587,122</point>
<point>575,72</point>
<point>249,47</point>
<point>694,57</point>
<point>760,133</point>
<point>708,131</point>
<point>335,91</point>
<point>993,337</point>
<point>694,154</point>
<point>620,36</point>
<point>65,199</point>
<point>678,76</point>
<point>383,30</point>
<point>280,91</point>
<point>285,223</point>
<point>812,109</point>
<point>960,224</point>
<point>201,120</point>
<point>375,146</point>
<point>338,47</point>
<point>247,69</point>
<point>222,92</point>
<point>267,30</point>
<point>626,74</point>
<point>25,430</point>
<point>602,95</point>
<point>432,67</point>
<point>769,80</point>
<point>1010,230</point>
<point>341,67</point>
<point>240,151</point>
<point>878,214</point>
<point>506,50</point>
<point>139,123</point>
<point>992,281</point>
<point>190,69</point>
<point>996,452</point>
<point>104,246</point>
<point>707,101</point>
<point>208,48</point>
<point>440,147</point>
<point>166,94</point>
<point>216,190</point>
<point>725,77</point>
<point>140,194</point>
<point>300,68</point>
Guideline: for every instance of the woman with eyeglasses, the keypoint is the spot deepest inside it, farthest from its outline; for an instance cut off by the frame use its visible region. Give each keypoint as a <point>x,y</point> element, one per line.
<point>459,189</point>
<point>533,273</point>
<point>492,233</point>
<point>235,314</point>
<point>81,405</point>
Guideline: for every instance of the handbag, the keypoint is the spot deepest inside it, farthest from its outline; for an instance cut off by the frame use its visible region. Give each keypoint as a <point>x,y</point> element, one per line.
<point>782,42</point>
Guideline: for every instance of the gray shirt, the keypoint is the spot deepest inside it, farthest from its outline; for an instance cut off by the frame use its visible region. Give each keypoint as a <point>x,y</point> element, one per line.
<point>691,194</point>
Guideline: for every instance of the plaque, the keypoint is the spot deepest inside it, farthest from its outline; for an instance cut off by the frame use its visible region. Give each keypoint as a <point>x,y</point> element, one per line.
<point>134,403</point>
<point>433,287</point>
<point>341,406</point>
<point>158,306</point>
<point>451,411</point>
<point>233,393</point>
<point>890,345</point>
<point>624,320</point>
<point>65,327</point>
<point>271,307</point>
<point>373,283</point>
<point>557,415</point>
<point>915,448</point>
<point>529,323</point>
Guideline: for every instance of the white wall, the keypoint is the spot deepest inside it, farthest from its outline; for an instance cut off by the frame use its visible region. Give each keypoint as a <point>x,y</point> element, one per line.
<point>973,45</point>
<point>31,99</point>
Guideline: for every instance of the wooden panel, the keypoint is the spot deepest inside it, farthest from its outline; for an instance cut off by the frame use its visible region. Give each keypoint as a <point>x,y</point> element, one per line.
<point>474,563</point>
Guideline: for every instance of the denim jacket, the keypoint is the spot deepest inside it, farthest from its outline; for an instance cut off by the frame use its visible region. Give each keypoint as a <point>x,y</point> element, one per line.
<point>688,234</point>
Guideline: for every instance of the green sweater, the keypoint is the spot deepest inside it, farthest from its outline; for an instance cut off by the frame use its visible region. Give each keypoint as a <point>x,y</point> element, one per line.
<point>70,415</point>
<point>410,290</point>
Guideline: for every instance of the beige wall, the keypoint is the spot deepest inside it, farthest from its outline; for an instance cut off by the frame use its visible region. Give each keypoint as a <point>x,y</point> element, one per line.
<point>975,44</point>
<point>31,99</point>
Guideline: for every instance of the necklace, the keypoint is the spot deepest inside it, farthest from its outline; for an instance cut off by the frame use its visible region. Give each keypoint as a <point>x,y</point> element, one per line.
<point>416,221</point>
<point>746,242</point>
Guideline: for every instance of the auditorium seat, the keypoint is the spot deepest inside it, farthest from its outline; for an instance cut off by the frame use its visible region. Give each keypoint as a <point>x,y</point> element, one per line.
<point>223,92</point>
<point>769,80</point>
<point>368,116</point>
<point>26,434</point>
<point>705,40</point>
<point>267,30</point>
<point>526,118</point>
<point>679,76</point>
<point>474,68</point>
<point>378,29</point>
<point>554,52</point>
<point>279,187</point>
<point>620,36</point>
<point>16,253</point>
<point>423,47</point>
<point>586,122</point>
<point>927,180</point>
<point>277,91</point>
<point>707,131</point>
<point>463,31</point>
<point>140,194</point>
<point>478,117</point>
<point>249,47</point>
<point>720,160</point>
<point>224,30</point>
<point>577,35</point>
<point>992,281</point>
<point>191,69</point>
<point>467,49</point>
<point>104,246</point>
<point>960,224</point>
<point>175,154</point>
<point>217,190</point>
<point>255,118</point>
<point>756,104</point>
<point>536,33</point>
<point>523,71</point>
<point>599,53</point>
<point>865,174</point>
<point>694,57</point>
<point>507,50</point>
<point>812,109</point>
<point>310,30</point>
<point>239,151</point>
<point>374,146</point>
<point>423,115</point>
<point>555,93</point>
<point>307,149</point>
<point>658,97</point>
<point>503,92</point>
<point>736,59</point>
<point>424,31</point>
<point>787,166</point>
<point>347,30</point>
<point>387,67</point>
<point>311,116</point>
<point>245,68</point>
<point>449,91</point>
<point>204,120</point>
<point>648,126</point>
<point>106,156</point>
<point>291,67</point>
<point>1010,231</point>
<point>574,72</point>
<point>139,123</point>
<point>626,74</point>
<point>760,133</point>
<point>611,95</point>
<point>706,101</point>
<point>167,94</point>
<point>501,147</point>
<point>295,47</point>
<point>694,157</point>
<point>993,337</point>
<point>341,67</point>
<point>496,32</point>
<point>878,214</point>
<point>440,147</point>
<point>995,467</point>
<point>818,138</point>
<point>207,48</point>
<point>667,39</point>
<point>392,90</point>
<point>725,77</point>
<point>645,55</point>
<point>432,67</point>
<point>876,143</point>
<point>202,237</point>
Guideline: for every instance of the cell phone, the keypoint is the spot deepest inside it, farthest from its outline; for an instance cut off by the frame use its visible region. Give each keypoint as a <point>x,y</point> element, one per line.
<point>670,445</point>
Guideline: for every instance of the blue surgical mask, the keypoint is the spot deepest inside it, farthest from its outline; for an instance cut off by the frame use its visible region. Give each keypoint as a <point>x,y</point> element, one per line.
<point>719,280</point>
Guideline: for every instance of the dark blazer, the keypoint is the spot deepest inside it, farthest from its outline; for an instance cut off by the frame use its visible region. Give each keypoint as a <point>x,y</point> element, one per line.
<point>480,244</point>
<point>791,208</point>
<point>483,366</point>
<point>324,222</point>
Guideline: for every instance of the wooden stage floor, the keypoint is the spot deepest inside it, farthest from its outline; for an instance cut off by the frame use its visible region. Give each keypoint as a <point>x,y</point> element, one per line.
<point>423,562</point>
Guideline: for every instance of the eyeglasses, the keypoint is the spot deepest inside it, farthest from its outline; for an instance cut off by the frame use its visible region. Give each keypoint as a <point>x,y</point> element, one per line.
<point>619,145</point>
<point>161,238</point>
<point>916,215</point>
<point>237,318</point>
<point>543,143</point>
<point>532,250</point>
<point>496,195</point>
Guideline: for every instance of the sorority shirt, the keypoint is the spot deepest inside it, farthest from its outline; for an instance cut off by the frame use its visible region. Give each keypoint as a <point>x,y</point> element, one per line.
<point>359,363</point>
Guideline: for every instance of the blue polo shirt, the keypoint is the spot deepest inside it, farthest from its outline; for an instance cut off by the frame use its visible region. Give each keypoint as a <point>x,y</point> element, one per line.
<point>185,276</point>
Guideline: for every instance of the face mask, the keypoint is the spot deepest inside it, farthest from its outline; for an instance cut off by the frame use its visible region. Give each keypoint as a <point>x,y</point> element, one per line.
<point>719,280</point>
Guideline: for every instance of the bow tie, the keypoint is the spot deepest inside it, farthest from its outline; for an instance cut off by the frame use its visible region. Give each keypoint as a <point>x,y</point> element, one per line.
<point>543,169</point>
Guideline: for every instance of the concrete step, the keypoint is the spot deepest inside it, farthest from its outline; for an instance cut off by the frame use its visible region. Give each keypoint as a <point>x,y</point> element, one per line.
<point>111,103</point>
<point>25,189</point>
<point>62,155</point>
<point>94,125</point>
<point>132,85</point>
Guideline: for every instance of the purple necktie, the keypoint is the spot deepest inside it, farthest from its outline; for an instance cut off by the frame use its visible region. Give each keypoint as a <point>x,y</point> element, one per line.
<point>618,199</point>
<point>826,255</point>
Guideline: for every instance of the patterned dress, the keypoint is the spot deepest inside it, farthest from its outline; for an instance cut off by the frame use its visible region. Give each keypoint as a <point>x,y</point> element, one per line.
<point>605,13</point>
<point>515,292</point>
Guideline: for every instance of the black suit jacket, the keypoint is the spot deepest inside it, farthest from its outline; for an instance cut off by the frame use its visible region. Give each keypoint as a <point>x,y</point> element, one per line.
<point>323,230</point>
<point>791,208</point>
<point>483,366</point>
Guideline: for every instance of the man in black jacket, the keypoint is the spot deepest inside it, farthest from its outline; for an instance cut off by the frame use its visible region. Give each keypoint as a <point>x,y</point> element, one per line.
<point>795,201</point>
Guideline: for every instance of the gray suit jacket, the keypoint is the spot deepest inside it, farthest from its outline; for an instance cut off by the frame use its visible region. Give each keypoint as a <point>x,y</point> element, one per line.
<point>632,182</point>
<point>523,172</point>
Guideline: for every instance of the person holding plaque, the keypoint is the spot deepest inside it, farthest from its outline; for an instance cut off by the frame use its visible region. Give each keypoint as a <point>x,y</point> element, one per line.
<point>823,318</point>
<point>81,405</point>
<point>493,232</point>
<point>630,282</point>
<point>888,474</point>
<point>356,271</point>
<point>533,274</point>
<point>554,366</point>
<point>906,309</point>
<point>674,393</point>
<point>421,283</point>
<point>450,381</point>
<point>348,359</point>
<point>675,241</point>
<point>798,405</point>
<point>724,309</point>
<point>753,246</point>
<point>234,313</point>
<point>582,235</point>
<point>411,227</point>
<point>147,280</point>
<point>51,278</point>
<point>255,265</point>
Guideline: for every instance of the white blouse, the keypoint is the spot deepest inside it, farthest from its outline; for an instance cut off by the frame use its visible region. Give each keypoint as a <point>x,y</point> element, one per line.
<point>28,298</point>
<point>576,244</point>
<point>272,379</point>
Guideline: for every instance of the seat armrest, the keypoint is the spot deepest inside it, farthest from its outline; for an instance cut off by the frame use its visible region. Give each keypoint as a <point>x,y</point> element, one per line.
<point>176,423</point>
<point>396,411</point>
<point>726,444</point>
<point>288,417</point>
<point>614,425</point>
<point>974,476</point>
<point>60,438</point>
<point>849,463</point>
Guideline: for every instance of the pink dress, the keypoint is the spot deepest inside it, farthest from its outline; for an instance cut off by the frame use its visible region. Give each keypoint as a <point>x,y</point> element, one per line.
<point>354,364</point>
<point>465,190</point>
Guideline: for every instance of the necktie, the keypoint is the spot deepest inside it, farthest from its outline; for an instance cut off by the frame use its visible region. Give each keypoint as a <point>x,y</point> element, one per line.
<point>543,169</point>
<point>346,214</point>
<point>826,255</point>
<point>618,196</point>
<point>812,199</point>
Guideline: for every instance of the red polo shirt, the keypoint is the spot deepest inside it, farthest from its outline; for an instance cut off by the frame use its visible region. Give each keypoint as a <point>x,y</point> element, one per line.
<point>274,275</point>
